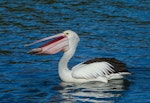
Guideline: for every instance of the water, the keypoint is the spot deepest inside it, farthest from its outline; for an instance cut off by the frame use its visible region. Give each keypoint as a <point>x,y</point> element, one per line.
<point>118,28</point>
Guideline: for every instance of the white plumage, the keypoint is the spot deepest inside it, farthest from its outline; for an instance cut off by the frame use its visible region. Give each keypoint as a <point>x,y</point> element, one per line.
<point>83,72</point>
<point>93,70</point>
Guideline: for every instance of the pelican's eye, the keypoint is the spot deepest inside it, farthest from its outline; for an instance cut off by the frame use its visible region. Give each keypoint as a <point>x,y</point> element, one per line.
<point>67,33</point>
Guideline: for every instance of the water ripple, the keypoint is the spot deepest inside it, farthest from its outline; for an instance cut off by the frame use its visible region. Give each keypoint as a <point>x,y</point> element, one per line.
<point>118,28</point>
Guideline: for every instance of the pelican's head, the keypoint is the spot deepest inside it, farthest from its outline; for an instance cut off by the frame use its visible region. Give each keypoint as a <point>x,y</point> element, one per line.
<point>65,41</point>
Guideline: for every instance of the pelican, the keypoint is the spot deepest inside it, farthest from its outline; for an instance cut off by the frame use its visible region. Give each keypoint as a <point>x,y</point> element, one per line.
<point>98,69</point>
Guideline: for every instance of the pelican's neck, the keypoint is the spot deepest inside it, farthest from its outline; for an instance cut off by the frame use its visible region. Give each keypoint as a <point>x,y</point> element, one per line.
<point>63,63</point>
<point>63,69</point>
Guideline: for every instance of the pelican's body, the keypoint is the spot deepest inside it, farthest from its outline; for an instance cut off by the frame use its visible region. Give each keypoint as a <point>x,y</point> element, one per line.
<point>99,69</point>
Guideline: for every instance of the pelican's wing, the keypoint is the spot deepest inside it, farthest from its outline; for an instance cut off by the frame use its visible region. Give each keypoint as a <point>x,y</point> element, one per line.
<point>93,70</point>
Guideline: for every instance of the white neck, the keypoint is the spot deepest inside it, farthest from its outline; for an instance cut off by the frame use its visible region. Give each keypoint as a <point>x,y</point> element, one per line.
<point>63,70</point>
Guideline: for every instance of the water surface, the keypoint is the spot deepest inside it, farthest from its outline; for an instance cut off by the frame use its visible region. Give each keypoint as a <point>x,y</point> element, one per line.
<point>118,28</point>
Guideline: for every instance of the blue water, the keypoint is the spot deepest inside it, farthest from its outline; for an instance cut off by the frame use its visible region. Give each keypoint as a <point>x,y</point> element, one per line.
<point>117,28</point>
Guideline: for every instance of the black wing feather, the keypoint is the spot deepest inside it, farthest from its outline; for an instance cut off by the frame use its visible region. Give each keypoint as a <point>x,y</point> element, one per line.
<point>117,64</point>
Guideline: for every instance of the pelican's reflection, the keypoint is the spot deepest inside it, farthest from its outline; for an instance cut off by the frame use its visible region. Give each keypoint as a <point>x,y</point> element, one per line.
<point>95,92</point>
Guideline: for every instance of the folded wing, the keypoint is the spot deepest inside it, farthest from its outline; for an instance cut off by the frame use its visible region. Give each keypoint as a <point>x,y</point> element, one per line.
<point>91,71</point>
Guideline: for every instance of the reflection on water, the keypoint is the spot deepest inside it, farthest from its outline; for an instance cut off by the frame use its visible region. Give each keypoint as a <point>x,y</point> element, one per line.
<point>94,92</point>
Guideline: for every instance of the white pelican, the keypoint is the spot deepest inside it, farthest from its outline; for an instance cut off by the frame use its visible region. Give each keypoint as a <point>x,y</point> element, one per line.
<point>99,69</point>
